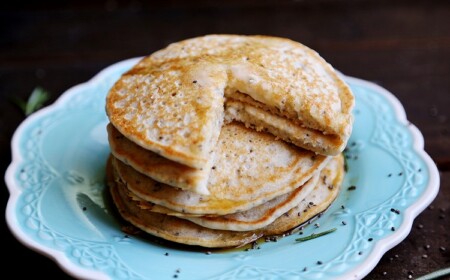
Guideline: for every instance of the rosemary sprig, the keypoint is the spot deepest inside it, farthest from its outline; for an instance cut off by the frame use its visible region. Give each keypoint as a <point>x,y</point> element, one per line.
<point>315,235</point>
<point>36,100</point>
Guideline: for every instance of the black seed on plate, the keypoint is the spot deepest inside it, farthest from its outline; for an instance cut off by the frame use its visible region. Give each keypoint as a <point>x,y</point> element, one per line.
<point>342,207</point>
<point>370,239</point>
<point>393,228</point>
<point>344,223</point>
<point>319,262</point>
<point>360,253</point>
<point>351,188</point>
<point>390,175</point>
<point>304,269</point>
<point>84,208</point>
<point>400,174</point>
<point>166,254</point>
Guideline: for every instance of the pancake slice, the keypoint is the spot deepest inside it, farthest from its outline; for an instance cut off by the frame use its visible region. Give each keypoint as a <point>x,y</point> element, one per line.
<point>175,109</point>
<point>251,168</point>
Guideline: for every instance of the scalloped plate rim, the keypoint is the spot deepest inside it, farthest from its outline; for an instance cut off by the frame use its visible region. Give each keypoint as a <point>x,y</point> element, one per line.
<point>357,272</point>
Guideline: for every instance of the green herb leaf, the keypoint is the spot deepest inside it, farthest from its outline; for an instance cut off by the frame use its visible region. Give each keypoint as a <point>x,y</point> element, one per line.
<point>315,235</point>
<point>36,100</point>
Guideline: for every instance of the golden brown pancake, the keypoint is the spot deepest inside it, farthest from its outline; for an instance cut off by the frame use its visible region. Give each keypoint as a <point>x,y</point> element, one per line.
<point>251,168</point>
<point>183,231</point>
<point>172,102</point>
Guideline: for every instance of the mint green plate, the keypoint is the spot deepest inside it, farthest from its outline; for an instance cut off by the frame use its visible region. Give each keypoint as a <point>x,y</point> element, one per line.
<point>57,205</point>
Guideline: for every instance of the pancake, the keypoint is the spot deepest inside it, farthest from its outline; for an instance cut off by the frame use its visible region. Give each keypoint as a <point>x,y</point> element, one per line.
<point>172,102</point>
<point>265,214</point>
<point>185,232</point>
<point>251,168</point>
<point>157,167</point>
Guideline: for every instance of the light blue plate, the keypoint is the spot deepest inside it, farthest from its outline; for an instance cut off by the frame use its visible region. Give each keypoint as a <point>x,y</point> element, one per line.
<point>57,207</point>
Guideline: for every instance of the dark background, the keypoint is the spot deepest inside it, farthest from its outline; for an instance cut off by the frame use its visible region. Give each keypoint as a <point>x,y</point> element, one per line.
<point>402,45</point>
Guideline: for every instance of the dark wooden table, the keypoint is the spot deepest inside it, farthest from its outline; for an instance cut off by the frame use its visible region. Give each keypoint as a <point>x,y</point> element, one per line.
<point>402,45</point>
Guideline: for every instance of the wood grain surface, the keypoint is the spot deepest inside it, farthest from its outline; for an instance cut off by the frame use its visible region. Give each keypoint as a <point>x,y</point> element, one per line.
<point>402,45</point>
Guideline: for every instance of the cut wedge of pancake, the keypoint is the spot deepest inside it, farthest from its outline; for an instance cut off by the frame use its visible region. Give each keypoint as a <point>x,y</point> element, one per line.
<point>163,109</point>
<point>172,102</point>
<point>183,231</point>
<point>251,168</point>
<point>157,167</point>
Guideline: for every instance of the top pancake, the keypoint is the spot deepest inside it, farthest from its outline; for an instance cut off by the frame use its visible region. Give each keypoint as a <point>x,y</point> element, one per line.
<point>172,101</point>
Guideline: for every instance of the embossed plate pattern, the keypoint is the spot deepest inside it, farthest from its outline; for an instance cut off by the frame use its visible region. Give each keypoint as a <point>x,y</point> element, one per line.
<point>57,206</point>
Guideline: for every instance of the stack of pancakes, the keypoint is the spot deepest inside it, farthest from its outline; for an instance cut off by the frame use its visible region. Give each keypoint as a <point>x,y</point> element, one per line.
<point>219,140</point>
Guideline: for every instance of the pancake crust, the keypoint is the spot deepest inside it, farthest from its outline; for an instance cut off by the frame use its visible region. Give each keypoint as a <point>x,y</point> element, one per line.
<point>172,101</point>
<point>157,167</point>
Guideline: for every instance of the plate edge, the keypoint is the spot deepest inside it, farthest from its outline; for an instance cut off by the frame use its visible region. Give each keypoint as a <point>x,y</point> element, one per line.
<point>431,190</point>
